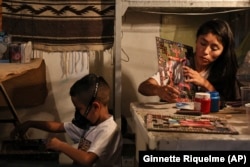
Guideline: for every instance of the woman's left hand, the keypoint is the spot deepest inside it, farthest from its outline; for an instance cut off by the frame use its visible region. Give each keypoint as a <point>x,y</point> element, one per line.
<point>193,76</point>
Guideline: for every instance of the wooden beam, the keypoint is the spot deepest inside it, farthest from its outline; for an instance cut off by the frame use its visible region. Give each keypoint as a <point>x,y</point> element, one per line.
<point>1,27</point>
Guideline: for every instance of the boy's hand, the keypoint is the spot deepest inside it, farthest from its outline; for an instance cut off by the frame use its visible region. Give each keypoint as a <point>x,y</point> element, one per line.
<point>54,143</point>
<point>19,131</point>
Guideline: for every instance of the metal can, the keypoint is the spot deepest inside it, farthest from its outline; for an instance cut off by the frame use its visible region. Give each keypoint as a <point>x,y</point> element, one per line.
<point>215,101</point>
<point>202,102</point>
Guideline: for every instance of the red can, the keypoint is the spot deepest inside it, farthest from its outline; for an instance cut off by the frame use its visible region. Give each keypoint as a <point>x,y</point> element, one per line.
<point>202,102</point>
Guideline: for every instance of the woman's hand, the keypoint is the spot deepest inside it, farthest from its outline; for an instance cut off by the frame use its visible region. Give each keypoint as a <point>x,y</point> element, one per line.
<point>168,93</point>
<point>193,76</point>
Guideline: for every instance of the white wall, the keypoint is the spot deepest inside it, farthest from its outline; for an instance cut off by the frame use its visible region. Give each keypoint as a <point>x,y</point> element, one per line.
<point>61,82</point>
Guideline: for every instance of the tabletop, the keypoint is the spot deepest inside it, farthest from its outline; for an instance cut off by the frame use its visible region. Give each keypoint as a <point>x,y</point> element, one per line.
<point>10,70</point>
<point>155,140</point>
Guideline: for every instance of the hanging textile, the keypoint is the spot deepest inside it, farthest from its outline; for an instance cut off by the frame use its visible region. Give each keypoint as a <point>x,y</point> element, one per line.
<point>70,63</point>
<point>62,25</point>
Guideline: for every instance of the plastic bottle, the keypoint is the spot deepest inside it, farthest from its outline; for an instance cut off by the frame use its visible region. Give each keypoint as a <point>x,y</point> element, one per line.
<point>215,101</point>
<point>202,102</point>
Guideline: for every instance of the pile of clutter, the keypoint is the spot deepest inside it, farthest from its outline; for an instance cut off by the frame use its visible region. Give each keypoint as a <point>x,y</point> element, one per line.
<point>11,52</point>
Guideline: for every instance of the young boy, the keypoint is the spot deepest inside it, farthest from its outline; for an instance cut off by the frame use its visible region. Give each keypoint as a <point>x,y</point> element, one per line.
<point>95,130</point>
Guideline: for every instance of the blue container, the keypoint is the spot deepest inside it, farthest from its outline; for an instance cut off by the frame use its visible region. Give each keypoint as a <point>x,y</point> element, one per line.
<point>215,101</point>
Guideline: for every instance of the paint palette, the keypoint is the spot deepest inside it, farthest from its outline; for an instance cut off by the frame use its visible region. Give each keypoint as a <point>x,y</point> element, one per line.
<point>183,123</point>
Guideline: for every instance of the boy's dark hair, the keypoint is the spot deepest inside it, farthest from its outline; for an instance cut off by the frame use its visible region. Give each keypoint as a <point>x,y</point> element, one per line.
<point>85,89</point>
<point>88,89</point>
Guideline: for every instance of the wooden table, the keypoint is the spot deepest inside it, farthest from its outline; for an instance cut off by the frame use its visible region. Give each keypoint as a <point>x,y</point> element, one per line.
<point>25,83</point>
<point>21,85</point>
<point>153,140</point>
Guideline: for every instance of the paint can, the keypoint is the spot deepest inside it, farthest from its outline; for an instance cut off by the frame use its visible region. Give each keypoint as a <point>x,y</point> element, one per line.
<point>215,101</point>
<point>202,102</point>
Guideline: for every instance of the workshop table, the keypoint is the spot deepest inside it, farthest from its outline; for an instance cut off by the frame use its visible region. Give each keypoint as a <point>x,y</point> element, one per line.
<point>157,140</point>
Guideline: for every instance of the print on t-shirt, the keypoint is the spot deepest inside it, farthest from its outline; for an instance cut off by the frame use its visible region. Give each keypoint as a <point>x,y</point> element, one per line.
<point>84,144</point>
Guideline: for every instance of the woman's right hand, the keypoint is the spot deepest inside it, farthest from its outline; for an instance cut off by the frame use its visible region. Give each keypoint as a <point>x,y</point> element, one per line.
<point>168,93</point>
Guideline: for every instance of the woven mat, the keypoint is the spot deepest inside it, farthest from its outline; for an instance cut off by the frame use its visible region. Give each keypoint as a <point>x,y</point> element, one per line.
<point>188,124</point>
<point>64,25</point>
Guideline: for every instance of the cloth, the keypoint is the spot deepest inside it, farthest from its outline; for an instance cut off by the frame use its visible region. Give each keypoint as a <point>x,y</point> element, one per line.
<point>65,25</point>
<point>73,131</point>
<point>104,140</point>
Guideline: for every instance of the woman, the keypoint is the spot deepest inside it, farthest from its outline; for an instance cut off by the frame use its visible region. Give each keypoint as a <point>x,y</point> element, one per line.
<point>213,66</point>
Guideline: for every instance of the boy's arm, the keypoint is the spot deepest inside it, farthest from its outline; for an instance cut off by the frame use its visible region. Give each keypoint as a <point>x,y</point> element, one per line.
<point>79,156</point>
<point>49,126</point>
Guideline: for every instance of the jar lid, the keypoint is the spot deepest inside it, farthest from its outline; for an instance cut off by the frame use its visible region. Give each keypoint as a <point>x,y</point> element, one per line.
<point>214,94</point>
<point>202,95</point>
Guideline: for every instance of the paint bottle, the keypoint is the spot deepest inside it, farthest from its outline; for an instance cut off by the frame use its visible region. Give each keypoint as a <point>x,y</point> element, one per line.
<point>215,101</point>
<point>202,102</point>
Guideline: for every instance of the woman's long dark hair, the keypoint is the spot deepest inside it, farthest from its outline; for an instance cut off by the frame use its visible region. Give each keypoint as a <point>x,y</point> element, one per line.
<point>223,70</point>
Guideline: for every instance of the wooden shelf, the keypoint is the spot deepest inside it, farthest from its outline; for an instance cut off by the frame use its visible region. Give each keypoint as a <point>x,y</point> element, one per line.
<point>25,83</point>
<point>184,5</point>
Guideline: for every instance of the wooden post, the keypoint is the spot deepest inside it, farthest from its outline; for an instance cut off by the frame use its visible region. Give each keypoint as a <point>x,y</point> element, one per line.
<point>1,27</point>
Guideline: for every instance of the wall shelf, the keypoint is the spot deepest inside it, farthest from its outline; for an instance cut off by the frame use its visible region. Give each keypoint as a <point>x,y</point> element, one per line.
<point>184,5</point>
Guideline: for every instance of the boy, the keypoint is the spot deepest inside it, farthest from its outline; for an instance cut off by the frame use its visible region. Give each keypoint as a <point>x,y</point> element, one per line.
<point>93,127</point>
